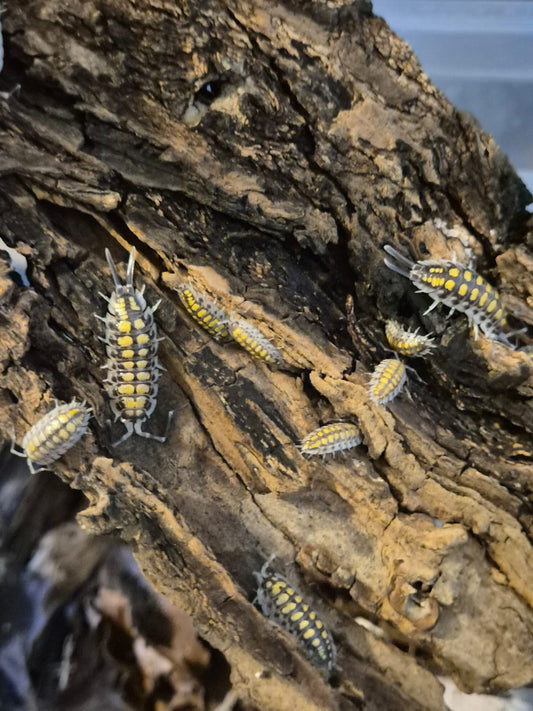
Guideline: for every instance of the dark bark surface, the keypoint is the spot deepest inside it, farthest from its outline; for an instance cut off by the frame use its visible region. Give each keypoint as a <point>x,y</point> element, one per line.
<point>266,154</point>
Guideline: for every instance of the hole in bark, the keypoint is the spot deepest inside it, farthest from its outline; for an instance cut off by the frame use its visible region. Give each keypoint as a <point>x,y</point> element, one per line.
<point>209,91</point>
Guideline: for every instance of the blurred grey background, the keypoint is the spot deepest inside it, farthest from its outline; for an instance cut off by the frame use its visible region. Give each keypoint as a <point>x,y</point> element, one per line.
<point>480,54</point>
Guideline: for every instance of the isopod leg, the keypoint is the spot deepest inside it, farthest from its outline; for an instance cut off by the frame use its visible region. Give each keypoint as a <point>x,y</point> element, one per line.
<point>14,444</point>
<point>149,435</point>
<point>127,434</point>
<point>433,306</point>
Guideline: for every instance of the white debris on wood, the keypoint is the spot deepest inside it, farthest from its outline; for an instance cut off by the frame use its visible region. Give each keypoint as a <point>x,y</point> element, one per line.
<point>515,700</point>
<point>18,262</point>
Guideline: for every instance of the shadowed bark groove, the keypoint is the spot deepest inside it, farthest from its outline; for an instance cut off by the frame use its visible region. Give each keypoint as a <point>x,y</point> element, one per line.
<point>265,154</point>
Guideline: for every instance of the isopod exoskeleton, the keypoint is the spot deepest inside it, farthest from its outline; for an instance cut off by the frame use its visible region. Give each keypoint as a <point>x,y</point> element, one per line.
<point>386,381</point>
<point>331,438</point>
<point>253,341</point>
<point>131,344</point>
<point>209,316</point>
<point>55,433</point>
<point>406,342</point>
<point>458,287</point>
<point>284,605</point>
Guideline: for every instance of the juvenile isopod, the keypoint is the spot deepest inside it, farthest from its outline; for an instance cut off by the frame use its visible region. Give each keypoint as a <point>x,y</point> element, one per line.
<point>458,287</point>
<point>209,316</point>
<point>55,433</point>
<point>331,438</point>
<point>386,381</point>
<point>253,341</point>
<point>407,342</point>
<point>131,344</point>
<point>284,606</point>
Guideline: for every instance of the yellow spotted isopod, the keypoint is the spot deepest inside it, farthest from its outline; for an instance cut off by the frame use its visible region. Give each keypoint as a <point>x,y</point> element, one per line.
<point>407,342</point>
<point>131,344</point>
<point>209,316</point>
<point>55,433</point>
<point>386,381</point>
<point>284,606</point>
<point>458,287</point>
<point>253,341</point>
<point>331,438</point>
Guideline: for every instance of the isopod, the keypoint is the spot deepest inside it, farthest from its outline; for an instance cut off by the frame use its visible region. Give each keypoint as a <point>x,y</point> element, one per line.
<point>386,381</point>
<point>458,287</point>
<point>209,316</point>
<point>55,433</point>
<point>132,364</point>
<point>331,438</point>
<point>284,606</point>
<point>253,341</point>
<point>406,342</point>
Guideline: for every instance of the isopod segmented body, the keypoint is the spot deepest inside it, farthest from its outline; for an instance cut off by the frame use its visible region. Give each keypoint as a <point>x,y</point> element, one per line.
<point>458,287</point>
<point>55,433</point>
<point>253,341</point>
<point>406,342</point>
<point>131,344</point>
<point>386,381</point>
<point>331,438</point>
<point>284,605</point>
<point>209,316</point>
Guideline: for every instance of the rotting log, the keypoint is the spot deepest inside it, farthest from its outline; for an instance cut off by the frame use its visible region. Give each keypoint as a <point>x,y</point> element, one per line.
<point>266,154</point>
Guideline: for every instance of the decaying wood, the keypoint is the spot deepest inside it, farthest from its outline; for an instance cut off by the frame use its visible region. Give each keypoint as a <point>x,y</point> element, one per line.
<point>265,153</point>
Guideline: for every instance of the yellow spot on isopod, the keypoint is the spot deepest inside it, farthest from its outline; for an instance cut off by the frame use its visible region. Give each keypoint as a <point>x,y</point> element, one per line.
<point>498,314</point>
<point>297,616</point>
<point>474,294</point>
<point>124,326</point>
<point>467,276</point>
<point>277,586</point>
<point>449,284</point>
<point>126,389</point>
<point>492,306</point>
<point>462,290</point>
<point>127,354</point>
<point>289,607</point>
<point>139,323</point>
<point>142,339</point>
<point>142,389</point>
<point>453,272</point>
<point>70,427</point>
<point>124,341</point>
<point>127,377</point>
<point>484,297</point>
<point>308,633</point>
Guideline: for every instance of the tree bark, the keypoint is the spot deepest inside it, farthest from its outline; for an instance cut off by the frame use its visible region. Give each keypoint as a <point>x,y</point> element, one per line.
<point>265,154</point>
